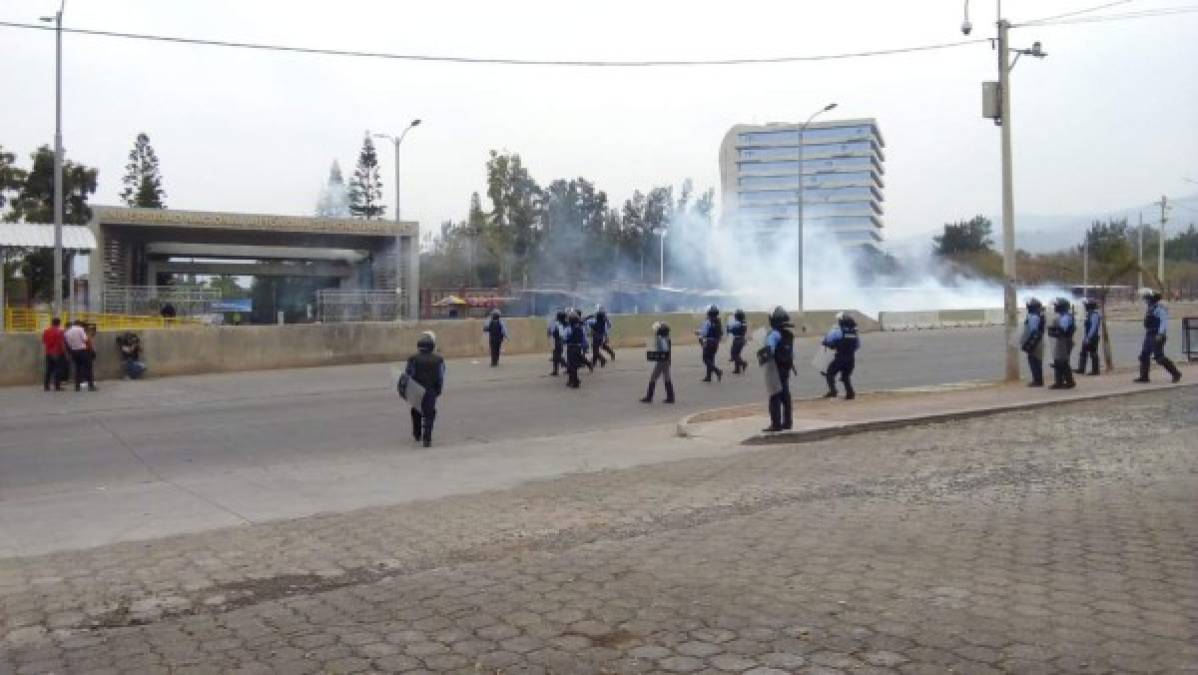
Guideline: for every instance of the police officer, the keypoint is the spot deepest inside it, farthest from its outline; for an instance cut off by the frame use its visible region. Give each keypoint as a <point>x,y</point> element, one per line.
<point>779,348</point>
<point>428,369</point>
<point>1032,341</point>
<point>1156,323</point>
<point>1062,330</point>
<point>710,334</point>
<point>1090,339</point>
<point>600,327</point>
<point>556,332</point>
<point>842,339</point>
<point>575,338</point>
<point>496,331</point>
<point>660,353</point>
<point>738,328</point>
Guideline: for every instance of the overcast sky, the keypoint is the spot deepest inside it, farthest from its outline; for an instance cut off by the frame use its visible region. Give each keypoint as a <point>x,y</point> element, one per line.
<point>1108,120</point>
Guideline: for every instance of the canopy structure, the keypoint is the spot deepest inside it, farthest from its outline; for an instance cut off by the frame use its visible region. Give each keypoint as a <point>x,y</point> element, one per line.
<point>33,235</point>
<point>75,239</point>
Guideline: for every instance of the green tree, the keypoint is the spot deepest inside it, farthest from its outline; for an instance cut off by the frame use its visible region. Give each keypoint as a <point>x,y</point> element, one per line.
<point>516,209</point>
<point>12,177</point>
<point>228,286</point>
<point>1110,241</point>
<point>34,202</point>
<point>1183,246</point>
<point>334,200</point>
<point>143,181</point>
<point>968,236</point>
<point>366,186</point>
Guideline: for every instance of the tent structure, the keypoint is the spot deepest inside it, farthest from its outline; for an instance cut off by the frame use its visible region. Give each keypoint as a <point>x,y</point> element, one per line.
<point>17,236</point>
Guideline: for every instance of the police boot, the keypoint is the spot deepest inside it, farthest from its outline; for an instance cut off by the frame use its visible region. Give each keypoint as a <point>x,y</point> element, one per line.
<point>416,424</point>
<point>669,392</point>
<point>849,394</point>
<point>1094,369</point>
<point>1068,373</point>
<point>428,430</point>
<point>1081,363</point>
<point>787,413</point>
<point>1143,372</point>
<point>649,394</point>
<point>1173,371</point>
<point>831,385</point>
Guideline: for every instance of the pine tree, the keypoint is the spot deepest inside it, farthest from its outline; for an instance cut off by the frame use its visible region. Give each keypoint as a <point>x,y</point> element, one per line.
<point>143,182</point>
<point>366,187</point>
<point>334,199</point>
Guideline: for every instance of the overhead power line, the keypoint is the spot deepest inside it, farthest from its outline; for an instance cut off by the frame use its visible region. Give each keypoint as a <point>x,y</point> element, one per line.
<point>1074,13</point>
<point>1144,14</point>
<point>495,61</point>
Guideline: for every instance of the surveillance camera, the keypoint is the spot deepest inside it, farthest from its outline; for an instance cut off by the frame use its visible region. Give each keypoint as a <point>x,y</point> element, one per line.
<point>966,28</point>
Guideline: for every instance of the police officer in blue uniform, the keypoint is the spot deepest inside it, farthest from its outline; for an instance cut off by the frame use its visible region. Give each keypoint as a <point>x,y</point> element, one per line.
<point>496,332</point>
<point>738,328</point>
<point>660,354</point>
<point>1090,338</point>
<point>780,347</point>
<point>556,331</point>
<point>710,334</point>
<point>844,340</point>
<point>1156,324</point>
<point>575,338</point>
<point>1061,330</point>
<point>428,369</point>
<point>1032,341</point>
<point>600,327</point>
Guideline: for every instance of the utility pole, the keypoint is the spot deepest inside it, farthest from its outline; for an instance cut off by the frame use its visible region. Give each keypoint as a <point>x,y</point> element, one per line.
<point>56,305</point>
<point>413,291</point>
<point>1086,266</point>
<point>1160,252</point>
<point>802,133</point>
<point>996,103</point>
<point>1140,266</point>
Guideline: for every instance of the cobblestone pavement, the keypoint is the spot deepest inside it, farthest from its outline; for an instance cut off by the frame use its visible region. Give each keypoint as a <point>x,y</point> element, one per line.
<point>1060,540</point>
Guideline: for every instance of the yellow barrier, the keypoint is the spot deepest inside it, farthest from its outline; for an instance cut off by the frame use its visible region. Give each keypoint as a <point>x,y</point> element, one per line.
<point>18,320</point>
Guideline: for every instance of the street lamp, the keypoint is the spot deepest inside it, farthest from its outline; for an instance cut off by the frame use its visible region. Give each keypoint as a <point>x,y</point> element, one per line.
<point>1002,117</point>
<point>413,293</point>
<point>802,132</point>
<point>57,21</point>
<point>661,265</point>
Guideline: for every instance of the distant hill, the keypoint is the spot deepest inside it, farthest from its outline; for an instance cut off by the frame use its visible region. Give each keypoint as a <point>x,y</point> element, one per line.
<point>1045,233</point>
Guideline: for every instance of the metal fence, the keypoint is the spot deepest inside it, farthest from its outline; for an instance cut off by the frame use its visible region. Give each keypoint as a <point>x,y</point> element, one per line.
<point>148,300</point>
<point>337,306</point>
<point>18,320</point>
<point>1189,338</point>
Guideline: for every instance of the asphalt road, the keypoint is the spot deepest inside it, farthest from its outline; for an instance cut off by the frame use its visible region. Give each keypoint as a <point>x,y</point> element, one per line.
<point>139,460</point>
<point>167,427</point>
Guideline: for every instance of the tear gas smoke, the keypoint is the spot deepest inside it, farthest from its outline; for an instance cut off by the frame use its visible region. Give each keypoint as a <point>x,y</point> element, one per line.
<point>763,274</point>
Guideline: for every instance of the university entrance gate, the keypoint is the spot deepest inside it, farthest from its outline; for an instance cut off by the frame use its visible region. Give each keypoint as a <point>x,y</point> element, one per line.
<point>139,248</point>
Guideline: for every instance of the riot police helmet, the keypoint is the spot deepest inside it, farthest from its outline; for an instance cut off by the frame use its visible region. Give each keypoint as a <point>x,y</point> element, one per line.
<point>1146,294</point>
<point>495,313</point>
<point>661,328</point>
<point>1033,304</point>
<point>561,316</point>
<point>427,341</point>
<point>846,322</point>
<point>1062,305</point>
<point>573,316</point>
<point>713,311</point>
<point>1090,304</point>
<point>739,315</point>
<point>779,318</point>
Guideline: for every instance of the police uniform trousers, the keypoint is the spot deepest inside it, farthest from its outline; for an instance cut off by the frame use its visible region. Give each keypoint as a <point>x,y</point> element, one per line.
<point>781,416</point>
<point>422,420</point>
<point>843,366</point>
<point>1154,350</point>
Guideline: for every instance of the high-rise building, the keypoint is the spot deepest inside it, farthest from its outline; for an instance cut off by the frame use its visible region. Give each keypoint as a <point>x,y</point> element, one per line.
<point>841,173</point>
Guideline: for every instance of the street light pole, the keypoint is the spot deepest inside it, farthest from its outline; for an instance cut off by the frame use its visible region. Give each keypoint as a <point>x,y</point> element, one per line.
<point>661,265</point>
<point>802,132</point>
<point>56,305</point>
<point>398,238</point>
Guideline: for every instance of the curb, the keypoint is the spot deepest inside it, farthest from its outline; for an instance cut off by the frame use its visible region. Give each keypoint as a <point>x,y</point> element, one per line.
<point>848,429</point>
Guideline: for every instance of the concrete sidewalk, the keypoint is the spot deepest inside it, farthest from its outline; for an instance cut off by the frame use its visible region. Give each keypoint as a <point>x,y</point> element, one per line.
<point>820,418</point>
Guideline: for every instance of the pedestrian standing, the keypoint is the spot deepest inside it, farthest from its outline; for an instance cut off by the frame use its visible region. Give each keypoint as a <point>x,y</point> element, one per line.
<point>710,334</point>
<point>55,349</point>
<point>1032,341</point>
<point>1090,339</point>
<point>844,340</point>
<point>659,354</point>
<point>427,368</point>
<point>496,331</point>
<point>82,356</point>
<point>777,357</point>
<point>1156,324</point>
<point>1061,331</point>
<point>738,328</point>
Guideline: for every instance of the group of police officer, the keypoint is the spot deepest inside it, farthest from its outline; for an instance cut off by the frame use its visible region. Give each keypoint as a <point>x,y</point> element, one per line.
<point>1062,328</point>
<point>568,330</point>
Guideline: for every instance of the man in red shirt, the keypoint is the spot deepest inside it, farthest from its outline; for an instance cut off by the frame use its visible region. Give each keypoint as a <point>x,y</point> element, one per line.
<point>55,349</point>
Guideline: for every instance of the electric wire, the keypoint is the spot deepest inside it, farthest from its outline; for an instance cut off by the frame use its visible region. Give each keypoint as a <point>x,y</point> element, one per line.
<point>1073,13</point>
<point>494,61</point>
<point>1145,14</point>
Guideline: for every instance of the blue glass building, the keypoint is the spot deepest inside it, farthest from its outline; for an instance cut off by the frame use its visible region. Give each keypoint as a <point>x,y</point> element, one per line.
<point>841,173</point>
